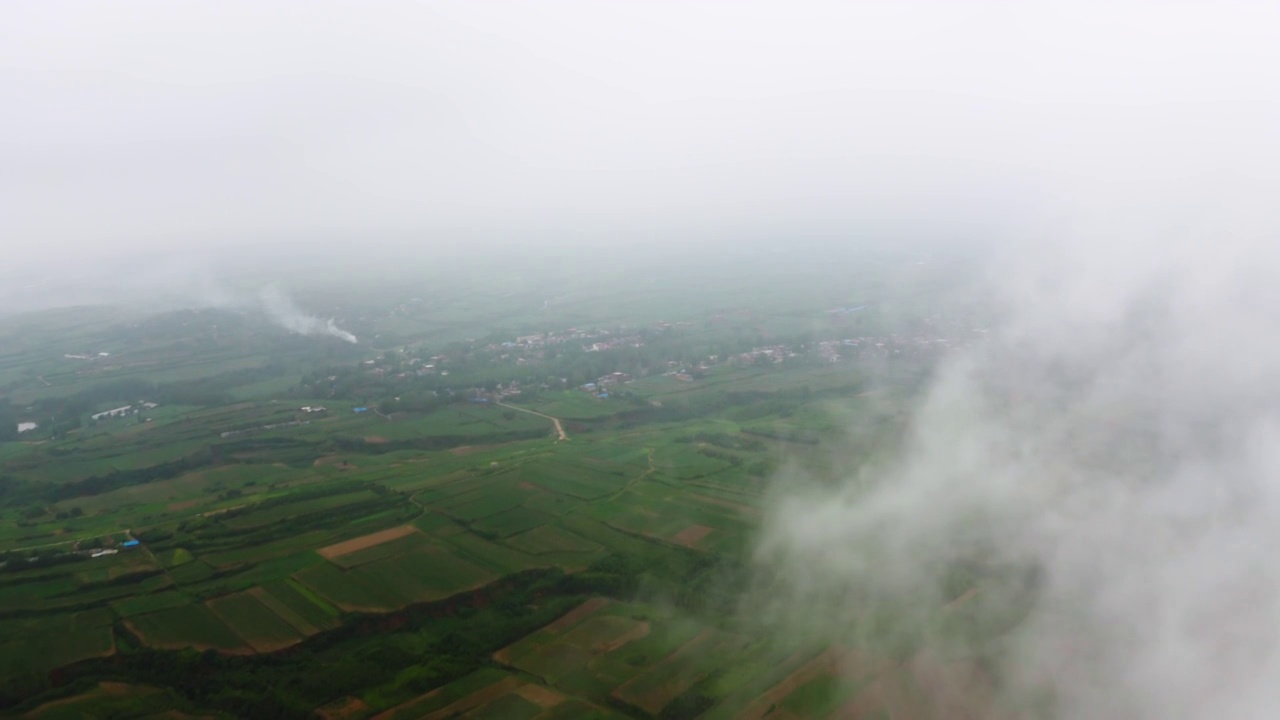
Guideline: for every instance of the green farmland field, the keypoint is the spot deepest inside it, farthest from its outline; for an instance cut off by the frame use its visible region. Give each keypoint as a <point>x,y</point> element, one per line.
<point>429,556</point>
<point>186,626</point>
<point>251,619</point>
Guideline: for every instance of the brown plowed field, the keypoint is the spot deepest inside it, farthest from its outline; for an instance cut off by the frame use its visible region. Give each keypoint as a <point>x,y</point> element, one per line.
<point>690,536</point>
<point>479,698</point>
<point>347,547</point>
<point>539,695</point>
<point>576,615</point>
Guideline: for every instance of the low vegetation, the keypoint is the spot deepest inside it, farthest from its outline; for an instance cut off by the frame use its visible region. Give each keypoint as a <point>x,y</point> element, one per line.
<point>398,530</point>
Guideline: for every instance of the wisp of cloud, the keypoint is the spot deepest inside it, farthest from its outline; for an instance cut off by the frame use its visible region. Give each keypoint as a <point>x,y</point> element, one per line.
<point>1117,439</point>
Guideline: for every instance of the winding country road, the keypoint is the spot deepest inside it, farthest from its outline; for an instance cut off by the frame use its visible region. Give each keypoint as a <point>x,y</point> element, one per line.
<point>559,427</point>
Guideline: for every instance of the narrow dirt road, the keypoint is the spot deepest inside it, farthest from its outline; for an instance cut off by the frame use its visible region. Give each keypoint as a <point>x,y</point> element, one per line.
<point>559,427</point>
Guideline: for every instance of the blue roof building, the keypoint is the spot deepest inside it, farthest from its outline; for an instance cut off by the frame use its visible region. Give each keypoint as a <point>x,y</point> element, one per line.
<point>130,543</point>
<point>360,409</point>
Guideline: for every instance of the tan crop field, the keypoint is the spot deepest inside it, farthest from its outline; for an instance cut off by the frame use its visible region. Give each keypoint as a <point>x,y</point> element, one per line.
<point>346,547</point>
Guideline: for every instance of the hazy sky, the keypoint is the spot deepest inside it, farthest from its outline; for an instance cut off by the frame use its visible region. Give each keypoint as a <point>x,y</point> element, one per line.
<point>199,124</point>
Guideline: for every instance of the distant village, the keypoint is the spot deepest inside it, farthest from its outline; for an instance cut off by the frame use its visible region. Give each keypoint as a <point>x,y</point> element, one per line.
<point>548,356</point>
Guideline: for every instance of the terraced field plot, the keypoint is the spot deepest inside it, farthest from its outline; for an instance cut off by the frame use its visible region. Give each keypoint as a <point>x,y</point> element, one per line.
<point>187,626</point>
<point>555,541</point>
<point>260,626</point>
<point>497,695</point>
<point>609,651</point>
<point>298,606</point>
<point>423,572</point>
<point>50,642</point>
<point>107,699</point>
<point>142,604</point>
<point>363,542</point>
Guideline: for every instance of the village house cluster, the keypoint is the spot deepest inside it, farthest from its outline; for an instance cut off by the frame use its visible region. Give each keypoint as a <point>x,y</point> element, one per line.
<point>928,337</point>
<point>131,409</point>
<point>601,387</point>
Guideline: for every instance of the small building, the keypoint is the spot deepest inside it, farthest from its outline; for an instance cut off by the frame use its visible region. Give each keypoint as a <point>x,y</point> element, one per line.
<point>130,543</point>
<point>360,409</point>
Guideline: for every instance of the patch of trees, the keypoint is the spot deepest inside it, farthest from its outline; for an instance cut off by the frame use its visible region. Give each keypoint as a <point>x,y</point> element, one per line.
<point>15,562</point>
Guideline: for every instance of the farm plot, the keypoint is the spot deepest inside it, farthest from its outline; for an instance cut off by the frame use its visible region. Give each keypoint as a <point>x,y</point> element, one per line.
<point>511,522</point>
<point>495,694</point>
<point>38,594</point>
<point>573,480</point>
<point>143,604</point>
<point>252,620</point>
<point>804,685</point>
<point>298,606</point>
<point>107,699</point>
<point>247,553</point>
<point>552,540</point>
<point>113,567</point>
<point>193,626</point>
<point>482,502</point>
<point>551,632</point>
<point>577,405</point>
<point>548,502</point>
<point>363,542</point>
<point>654,688</point>
<point>419,575</point>
<point>498,559</point>
<point>348,590</point>
<point>427,574</point>
<point>254,517</point>
<point>48,643</point>
<point>606,651</point>
<point>686,462</point>
<point>673,516</point>
<point>467,692</point>
<point>375,546</point>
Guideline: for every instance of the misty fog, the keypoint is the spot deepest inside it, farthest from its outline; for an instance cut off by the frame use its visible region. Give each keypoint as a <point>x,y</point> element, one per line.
<point>1113,165</point>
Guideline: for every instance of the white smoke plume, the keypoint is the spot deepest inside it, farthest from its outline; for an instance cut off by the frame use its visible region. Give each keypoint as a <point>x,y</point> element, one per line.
<point>281,309</point>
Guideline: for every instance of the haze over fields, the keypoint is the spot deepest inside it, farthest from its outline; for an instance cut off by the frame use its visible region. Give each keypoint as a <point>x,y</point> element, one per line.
<point>1101,177</point>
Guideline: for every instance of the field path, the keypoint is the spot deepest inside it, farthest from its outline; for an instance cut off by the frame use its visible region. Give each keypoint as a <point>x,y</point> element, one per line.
<point>632,482</point>
<point>559,427</point>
